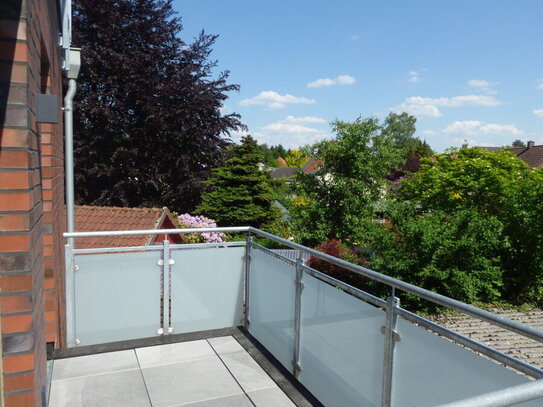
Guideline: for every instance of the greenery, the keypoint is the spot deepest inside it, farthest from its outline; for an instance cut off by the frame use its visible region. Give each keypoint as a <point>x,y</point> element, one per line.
<point>492,187</point>
<point>149,126</point>
<point>295,158</point>
<point>240,194</point>
<point>466,223</point>
<point>335,202</point>
<point>271,154</point>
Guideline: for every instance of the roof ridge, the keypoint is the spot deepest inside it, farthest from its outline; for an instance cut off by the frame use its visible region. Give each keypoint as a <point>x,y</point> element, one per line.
<point>118,208</point>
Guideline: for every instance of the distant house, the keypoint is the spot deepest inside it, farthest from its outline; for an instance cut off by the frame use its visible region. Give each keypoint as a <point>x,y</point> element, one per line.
<point>312,165</point>
<point>102,218</point>
<point>283,172</point>
<point>531,154</point>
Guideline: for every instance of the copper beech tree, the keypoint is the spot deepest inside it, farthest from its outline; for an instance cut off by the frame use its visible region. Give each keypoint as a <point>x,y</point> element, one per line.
<point>148,124</point>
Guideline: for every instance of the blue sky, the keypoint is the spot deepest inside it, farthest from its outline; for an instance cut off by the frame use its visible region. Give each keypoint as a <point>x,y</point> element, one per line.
<point>468,70</point>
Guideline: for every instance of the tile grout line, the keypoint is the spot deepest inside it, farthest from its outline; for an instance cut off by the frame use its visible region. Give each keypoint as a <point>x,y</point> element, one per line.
<point>65,379</point>
<point>231,374</point>
<point>143,378</point>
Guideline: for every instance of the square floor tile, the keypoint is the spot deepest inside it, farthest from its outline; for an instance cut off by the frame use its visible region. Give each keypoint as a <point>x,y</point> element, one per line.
<point>225,345</point>
<point>247,372</point>
<point>239,400</point>
<point>189,382</point>
<point>174,353</point>
<point>121,389</point>
<point>270,397</point>
<point>94,364</point>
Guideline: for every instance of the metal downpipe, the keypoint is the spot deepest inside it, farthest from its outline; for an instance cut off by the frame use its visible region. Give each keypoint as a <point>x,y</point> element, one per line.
<point>69,156</point>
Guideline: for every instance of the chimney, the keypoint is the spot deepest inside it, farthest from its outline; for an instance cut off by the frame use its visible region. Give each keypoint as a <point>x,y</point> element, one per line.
<point>530,144</point>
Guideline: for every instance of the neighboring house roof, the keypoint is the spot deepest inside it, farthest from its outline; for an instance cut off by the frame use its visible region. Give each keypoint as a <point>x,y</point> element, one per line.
<point>312,165</point>
<point>283,172</point>
<point>531,154</point>
<point>102,218</point>
<point>282,162</point>
<point>510,343</point>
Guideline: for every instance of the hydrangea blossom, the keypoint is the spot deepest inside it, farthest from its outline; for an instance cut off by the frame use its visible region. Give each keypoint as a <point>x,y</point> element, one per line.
<point>186,220</point>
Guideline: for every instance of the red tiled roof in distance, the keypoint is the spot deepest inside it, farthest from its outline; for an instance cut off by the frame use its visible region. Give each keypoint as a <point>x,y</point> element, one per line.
<point>102,218</point>
<point>312,165</point>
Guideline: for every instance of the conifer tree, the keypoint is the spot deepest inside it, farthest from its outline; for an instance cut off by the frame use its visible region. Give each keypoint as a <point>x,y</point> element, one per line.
<point>240,193</point>
<point>148,126</point>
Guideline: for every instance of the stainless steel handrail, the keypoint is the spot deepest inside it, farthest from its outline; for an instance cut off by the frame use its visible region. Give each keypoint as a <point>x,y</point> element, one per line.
<point>509,396</point>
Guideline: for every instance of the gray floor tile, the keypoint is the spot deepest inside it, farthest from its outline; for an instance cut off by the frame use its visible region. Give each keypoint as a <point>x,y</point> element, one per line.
<point>121,389</point>
<point>247,372</point>
<point>270,397</point>
<point>174,353</point>
<point>239,400</point>
<point>226,345</point>
<point>94,364</point>
<point>186,382</point>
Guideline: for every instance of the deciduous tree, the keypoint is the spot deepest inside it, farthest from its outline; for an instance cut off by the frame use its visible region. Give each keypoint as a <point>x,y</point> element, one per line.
<point>148,124</point>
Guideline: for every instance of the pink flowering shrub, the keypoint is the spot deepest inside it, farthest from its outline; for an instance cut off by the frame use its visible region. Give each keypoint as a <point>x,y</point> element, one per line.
<point>186,220</point>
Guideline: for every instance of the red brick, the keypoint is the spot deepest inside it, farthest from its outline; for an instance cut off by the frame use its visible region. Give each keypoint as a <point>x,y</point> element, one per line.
<point>49,284</point>
<point>47,195</point>
<point>21,400</point>
<point>14,159</point>
<point>15,283</point>
<point>13,72</point>
<point>14,138</point>
<point>18,363</point>
<point>14,180</point>
<point>14,221</point>
<point>14,243</point>
<point>15,51</point>
<point>50,316</point>
<point>15,303</point>
<point>18,382</point>
<point>16,323</point>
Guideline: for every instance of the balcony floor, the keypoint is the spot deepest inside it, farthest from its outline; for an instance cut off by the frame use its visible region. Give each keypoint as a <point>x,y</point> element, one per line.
<point>200,373</point>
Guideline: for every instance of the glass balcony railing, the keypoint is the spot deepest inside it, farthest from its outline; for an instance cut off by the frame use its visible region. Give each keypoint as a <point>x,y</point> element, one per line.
<point>346,346</point>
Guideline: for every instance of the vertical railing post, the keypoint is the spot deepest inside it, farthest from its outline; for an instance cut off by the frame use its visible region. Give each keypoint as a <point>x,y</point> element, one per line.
<point>69,261</point>
<point>296,368</point>
<point>167,288</point>
<point>391,336</point>
<point>247,276</point>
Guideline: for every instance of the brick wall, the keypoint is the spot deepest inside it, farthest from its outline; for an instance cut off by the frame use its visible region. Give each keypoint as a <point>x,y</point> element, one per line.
<point>31,198</point>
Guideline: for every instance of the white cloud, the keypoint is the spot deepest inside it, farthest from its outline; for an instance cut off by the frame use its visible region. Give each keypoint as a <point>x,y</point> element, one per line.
<point>468,126</point>
<point>290,140</point>
<point>354,37</point>
<point>460,141</point>
<point>475,127</point>
<point>293,132</point>
<point>340,80</point>
<point>538,112</point>
<point>274,100</point>
<point>306,119</point>
<point>483,86</point>
<point>289,128</point>
<point>424,106</point>
<point>414,77</point>
<point>539,84</point>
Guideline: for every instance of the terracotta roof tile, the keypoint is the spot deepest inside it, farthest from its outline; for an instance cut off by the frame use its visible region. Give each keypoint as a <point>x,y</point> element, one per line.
<point>101,218</point>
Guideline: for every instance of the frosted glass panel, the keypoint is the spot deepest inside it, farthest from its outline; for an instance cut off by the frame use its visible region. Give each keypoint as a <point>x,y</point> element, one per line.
<point>430,370</point>
<point>341,346</point>
<point>117,296</point>
<point>207,288</point>
<point>271,305</point>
